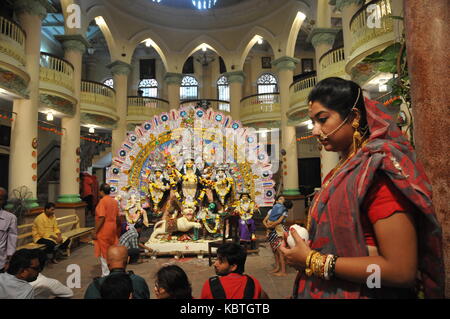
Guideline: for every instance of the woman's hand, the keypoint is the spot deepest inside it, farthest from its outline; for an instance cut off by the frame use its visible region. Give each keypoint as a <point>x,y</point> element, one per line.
<point>296,256</point>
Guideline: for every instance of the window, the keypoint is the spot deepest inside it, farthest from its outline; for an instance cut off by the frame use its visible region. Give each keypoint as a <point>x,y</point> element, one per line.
<point>149,87</point>
<point>109,82</point>
<point>267,83</point>
<point>223,93</point>
<point>189,88</point>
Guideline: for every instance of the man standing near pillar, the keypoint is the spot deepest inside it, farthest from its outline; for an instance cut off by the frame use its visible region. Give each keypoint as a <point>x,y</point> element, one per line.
<point>8,232</point>
<point>107,226</point>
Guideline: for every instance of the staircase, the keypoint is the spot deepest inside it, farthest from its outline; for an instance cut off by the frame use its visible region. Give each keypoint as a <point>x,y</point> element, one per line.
<point>92,153</point>
<point>48,170</point>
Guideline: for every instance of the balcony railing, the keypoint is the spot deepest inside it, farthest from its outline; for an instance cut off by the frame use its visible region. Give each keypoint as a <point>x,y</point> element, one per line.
<point>361,32</point>
<point>56,71</point>
<point>12,40</point>
<point>332,63</point>
<point>98,94</point>
<point>146,106</point>
<point>259,104</point>
<point>217,105</point>
<point>299,90</point>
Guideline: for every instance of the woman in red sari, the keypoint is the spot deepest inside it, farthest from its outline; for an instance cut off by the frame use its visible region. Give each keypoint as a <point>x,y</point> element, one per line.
<point>373,215</point>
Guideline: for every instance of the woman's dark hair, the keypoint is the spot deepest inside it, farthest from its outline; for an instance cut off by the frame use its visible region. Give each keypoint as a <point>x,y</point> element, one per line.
<point>174,281</point>
<point>118,286</point>
<point>105,188</point>
<point>234,254</point>
<point>21,260</point>
<point>49,205</point>
<point>339,95</point>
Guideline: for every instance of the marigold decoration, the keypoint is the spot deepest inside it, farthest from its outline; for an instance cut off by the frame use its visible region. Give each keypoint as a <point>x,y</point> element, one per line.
<point>34,178</point>
<point>390,101</point>
<point>299,139</point>
<point>51,129</point>
<point>216,227</point>
<point>94,140</point>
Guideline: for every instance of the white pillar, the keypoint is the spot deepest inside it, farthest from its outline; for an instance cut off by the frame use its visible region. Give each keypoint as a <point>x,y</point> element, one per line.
<point>120,71</point>
<point>236,80</point>
<point>348,9</point>
<point>74,46</point>
<point>322,39</point>
<point>285,67</point>
<point>22,163</point>
<point>173,81</point>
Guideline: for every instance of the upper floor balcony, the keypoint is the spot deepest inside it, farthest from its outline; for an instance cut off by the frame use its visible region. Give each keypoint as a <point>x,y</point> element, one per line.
<point>332,63</point>
<point>141,109</point>
<point>13,77</point>
<point>368,33</point>
<point>56,85</point>
<point>98,105</point>
<point>261,110</point>
<point>299,91</point>
<point>216,105</point>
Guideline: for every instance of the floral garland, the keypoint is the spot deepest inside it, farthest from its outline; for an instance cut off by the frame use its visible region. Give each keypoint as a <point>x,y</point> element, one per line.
<point>391,100</point>
<point>50,129</point>
<point>299,139</point>
<point>211,231</point>
<point>6,117</point>
<point>95,140</point>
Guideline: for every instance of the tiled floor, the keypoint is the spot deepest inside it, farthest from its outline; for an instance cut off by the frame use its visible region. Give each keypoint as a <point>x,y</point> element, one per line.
<point>198,271</point>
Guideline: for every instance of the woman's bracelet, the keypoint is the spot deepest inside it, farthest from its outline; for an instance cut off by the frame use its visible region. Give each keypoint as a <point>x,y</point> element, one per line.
<point>308,270</point>
<point>322,266</point>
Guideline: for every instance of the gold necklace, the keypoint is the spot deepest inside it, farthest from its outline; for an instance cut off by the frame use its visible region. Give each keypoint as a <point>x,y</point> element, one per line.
<point>336,170</point>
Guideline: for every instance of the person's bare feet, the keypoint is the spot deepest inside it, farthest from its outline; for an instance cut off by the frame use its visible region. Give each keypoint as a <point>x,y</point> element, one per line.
<point>274,270</point>
<point>280,274</point>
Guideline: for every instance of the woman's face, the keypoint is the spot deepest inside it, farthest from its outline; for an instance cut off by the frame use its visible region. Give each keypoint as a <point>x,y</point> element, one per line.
<point>326,120</point>
<point>160,292</point>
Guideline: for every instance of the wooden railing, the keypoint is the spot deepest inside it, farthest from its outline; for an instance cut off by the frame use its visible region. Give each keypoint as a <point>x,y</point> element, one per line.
<point>218,105</point>
<point>299,90</point>
<point>56,70</point>
<point>98,94</point>
<point>260,103</point>
<point>146,106</point>
<point>14,42</point>
<point>361,33</point>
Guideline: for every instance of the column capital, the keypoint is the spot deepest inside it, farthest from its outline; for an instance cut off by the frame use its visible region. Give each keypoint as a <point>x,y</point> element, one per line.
<point>119,67</point>
<point>33,7</point>
<point>235,76</point>
<point>341,4</point>
<point>74,42</point>
<point>285,63</point>
<point>173,78</point>
<point>322,36</point>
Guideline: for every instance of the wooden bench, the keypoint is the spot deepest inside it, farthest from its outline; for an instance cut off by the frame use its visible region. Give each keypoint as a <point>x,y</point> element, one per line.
<point>68,225</point>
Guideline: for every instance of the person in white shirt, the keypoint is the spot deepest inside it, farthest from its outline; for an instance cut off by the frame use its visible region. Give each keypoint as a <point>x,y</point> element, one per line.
<point>46,288</point>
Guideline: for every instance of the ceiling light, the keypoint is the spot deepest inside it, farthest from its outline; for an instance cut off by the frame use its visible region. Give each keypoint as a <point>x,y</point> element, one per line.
<point>148,43</point>
<point>92,130</point>
<point>49,116</point>
<point>260,40</point>
<point>90,51</point>
<point>264,134</point>
<point>309,124</point>
<point>204,48</point>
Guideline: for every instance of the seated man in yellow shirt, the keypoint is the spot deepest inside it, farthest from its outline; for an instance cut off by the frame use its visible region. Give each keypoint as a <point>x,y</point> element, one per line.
<point>45,231</point>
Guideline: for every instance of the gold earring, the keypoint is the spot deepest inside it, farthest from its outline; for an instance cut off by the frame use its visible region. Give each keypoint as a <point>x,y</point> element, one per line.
<point>356,135</point>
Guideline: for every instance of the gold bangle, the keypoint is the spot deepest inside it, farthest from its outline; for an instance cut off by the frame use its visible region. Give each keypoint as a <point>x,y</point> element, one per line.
<point>308,270</point>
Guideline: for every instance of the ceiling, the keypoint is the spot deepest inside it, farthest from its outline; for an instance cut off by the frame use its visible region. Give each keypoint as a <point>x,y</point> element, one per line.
<point>193,4</point>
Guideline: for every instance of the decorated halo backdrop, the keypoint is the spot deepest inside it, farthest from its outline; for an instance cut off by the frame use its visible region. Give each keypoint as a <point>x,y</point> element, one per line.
<point>199,134</point>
